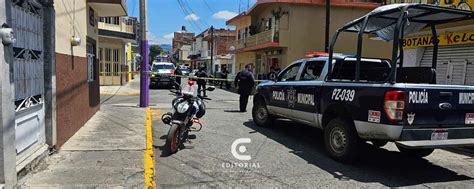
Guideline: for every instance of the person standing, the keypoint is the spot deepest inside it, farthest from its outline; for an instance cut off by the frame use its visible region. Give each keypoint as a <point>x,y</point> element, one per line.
<point>224,75</point>
<point>244,81</point>
<point>201,82</point>
<point>177,75</point>
<point>272,74</point>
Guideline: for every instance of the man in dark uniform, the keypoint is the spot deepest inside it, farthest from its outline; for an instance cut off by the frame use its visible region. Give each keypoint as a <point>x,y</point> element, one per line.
<point>272,74</point>
<point>201,82</point>
<point>244,81</point>
<point>224,75</point>
<point>177,75</point>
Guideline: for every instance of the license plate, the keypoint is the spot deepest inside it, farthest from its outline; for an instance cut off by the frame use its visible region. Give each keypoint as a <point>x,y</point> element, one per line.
<point>164,79</point>
<point>436,135</point>
<point>470,119</point>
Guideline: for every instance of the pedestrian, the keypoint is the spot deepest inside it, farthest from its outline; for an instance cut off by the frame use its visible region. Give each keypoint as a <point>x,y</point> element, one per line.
<point>272,74</point>
<point>224,74</point>
<point>244,81</point>
<point>177,75</point>
<point>201,82</point>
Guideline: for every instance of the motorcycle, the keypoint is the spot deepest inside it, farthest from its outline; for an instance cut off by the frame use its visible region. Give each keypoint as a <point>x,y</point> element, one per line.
<point>187,110</point>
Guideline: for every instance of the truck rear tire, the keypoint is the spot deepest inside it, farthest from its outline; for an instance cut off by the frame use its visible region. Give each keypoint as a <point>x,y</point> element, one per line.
<point>261,116</point>
<point>341,140</point>
<point>415,153</point>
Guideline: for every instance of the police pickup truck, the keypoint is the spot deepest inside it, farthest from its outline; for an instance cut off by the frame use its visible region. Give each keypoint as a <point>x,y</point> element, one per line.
<point>355,99</point>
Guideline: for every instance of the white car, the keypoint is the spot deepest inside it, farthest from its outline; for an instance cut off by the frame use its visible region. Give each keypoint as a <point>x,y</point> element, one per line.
<point>162,74</point>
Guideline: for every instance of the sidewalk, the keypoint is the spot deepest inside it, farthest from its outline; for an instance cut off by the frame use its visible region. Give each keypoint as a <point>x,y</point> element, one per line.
<point>108,151</point>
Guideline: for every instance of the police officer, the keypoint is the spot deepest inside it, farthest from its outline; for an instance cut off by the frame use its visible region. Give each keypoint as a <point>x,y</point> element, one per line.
<point>244,81</point>
<point>272,74</point>
<point>224,75</point>
<point>201,82</point>
<point>177,75</point>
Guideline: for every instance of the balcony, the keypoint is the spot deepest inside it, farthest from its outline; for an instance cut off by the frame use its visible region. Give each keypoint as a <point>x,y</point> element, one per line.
<point>119,27</point>
<point>125,25</point>
<point>109,7</point>
<point>260,40</point>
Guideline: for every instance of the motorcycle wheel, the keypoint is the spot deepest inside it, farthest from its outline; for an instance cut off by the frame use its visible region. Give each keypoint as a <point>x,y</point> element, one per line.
<point>172,140</point>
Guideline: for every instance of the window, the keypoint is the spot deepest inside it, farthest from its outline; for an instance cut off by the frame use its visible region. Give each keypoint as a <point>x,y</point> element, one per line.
<point>107,54</point>
<point>90,62</point>
<point>116,20</point>
<point>370,71</point>
<point>290,73</point>
<point>312,70</point>
<point>157,67</point>
<point>116,62</point>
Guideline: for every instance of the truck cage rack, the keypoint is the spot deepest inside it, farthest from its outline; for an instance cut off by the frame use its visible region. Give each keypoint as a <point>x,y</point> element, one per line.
<point>392,22</point>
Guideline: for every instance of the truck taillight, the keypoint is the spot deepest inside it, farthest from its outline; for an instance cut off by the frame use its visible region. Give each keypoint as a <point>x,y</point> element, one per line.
<point>394,105</point>
<point>172,72</point>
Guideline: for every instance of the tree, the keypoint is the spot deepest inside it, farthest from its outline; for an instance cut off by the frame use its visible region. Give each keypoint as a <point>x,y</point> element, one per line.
<point>155,50</point>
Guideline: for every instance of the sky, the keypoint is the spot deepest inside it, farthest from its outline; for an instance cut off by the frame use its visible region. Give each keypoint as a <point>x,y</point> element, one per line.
<point>167,16</point>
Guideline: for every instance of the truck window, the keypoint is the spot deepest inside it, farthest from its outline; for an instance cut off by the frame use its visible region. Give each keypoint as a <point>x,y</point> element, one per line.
<point>370,71</point>
<point>290,73</point>
<point>312,70</point>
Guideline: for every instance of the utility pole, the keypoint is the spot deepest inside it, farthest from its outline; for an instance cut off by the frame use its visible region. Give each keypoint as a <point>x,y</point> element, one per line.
<point>144,71</point>
<point>212,49</point>
<point>326,34</point>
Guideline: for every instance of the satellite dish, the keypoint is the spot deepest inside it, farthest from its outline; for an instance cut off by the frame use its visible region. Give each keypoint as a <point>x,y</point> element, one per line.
<point>231,48</point>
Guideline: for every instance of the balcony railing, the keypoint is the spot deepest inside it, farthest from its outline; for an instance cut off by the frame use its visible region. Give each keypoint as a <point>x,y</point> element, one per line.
<point>125,25</point>
<point>261,38</point>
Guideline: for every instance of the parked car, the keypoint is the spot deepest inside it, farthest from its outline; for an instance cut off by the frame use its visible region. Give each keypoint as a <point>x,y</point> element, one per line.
<point>162,74</point>
<point>184,71</point>
<point>355,99</point>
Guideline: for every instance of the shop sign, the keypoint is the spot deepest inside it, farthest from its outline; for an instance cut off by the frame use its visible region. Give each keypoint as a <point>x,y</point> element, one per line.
<point>458,4</point>
<point>448,38</point>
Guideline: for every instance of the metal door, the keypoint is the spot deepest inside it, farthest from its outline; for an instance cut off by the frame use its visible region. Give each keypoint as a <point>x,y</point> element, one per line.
<point>456,74</point>
<point>452,54</point>
<point>28,73</point>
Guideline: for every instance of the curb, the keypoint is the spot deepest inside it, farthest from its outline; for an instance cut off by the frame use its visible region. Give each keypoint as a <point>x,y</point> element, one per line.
<point>149,159</point>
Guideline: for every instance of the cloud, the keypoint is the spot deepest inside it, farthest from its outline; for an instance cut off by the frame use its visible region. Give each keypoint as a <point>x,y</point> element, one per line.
<point>191,17</point>
<point>154,40</point>
<point>169,36</point>
<point>224,15</point>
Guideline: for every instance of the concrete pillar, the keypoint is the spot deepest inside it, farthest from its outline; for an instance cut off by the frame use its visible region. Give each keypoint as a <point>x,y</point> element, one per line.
<point>7,106</point>
<point>49,72</point>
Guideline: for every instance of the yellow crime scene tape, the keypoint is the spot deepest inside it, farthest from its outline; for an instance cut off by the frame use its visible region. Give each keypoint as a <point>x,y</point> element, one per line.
<point>182,76</point>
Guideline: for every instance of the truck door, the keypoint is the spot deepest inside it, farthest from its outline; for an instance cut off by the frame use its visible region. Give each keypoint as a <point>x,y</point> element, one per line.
<point>283,91</point>
<point>307,92</point>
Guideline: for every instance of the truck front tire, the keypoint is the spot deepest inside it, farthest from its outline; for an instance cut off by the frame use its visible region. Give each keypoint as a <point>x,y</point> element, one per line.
<point>414,153</point>
<point>341,140</point>
<point>261,116</point>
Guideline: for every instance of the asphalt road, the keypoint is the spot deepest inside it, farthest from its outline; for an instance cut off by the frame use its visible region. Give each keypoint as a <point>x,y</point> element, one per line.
<point>287,155</point>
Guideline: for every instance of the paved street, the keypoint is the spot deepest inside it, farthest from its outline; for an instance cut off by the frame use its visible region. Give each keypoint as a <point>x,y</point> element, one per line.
<point>287,155</point>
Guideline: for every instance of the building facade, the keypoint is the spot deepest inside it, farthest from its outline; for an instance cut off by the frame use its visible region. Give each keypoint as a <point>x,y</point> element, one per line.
<point>274,33</point>
<point>49,80</point>
<point>455,63</point>
<point>221,42</point>
<point>116,33</point>
<point>182,45</point>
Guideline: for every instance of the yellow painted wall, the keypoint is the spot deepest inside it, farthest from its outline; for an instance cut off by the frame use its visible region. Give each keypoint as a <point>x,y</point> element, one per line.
<point>243,59</point>
<point>302,30</point>
<point>305,35</point>
<point>72,18</point>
